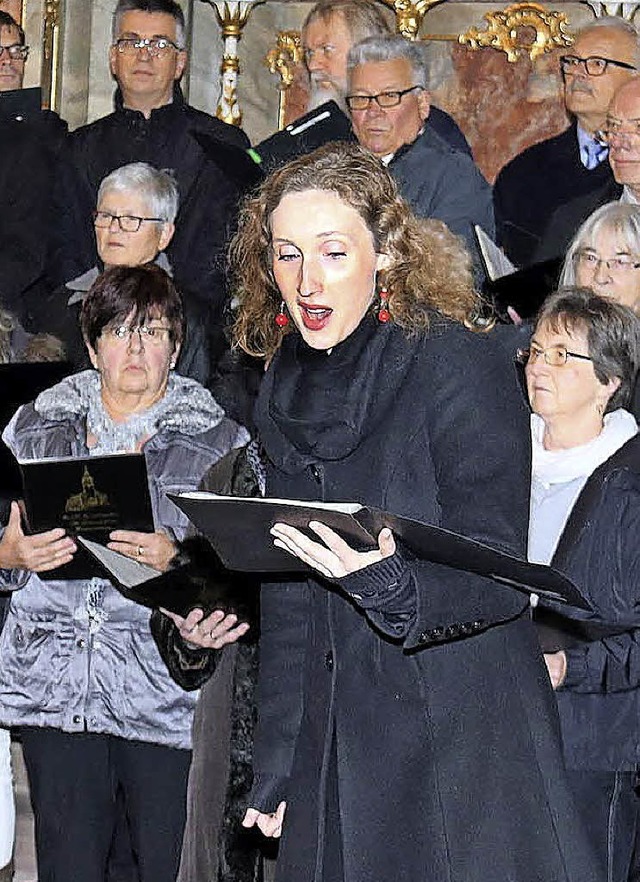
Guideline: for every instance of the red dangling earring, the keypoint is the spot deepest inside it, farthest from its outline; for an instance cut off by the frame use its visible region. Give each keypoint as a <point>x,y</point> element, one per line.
<point>384,315</point>
<point>282,319</point>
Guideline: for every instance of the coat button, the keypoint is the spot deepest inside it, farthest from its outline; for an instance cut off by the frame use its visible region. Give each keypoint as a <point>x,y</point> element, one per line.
<point>77,719</point>
<point>81,643</point>
<point>328,661</point>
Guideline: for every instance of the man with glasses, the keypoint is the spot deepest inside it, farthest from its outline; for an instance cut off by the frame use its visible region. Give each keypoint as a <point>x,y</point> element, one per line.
<point>330,29</point>
<point>389,103</point>
<point>537,181</point>
<point>153,123</point>
<point>29,141</point>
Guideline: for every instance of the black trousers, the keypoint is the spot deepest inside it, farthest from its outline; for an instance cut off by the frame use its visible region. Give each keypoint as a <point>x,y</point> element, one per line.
<point>74,779</point>
<point>610,809</point>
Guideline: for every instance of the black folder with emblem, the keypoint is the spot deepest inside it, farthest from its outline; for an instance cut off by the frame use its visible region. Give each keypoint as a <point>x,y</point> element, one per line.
<point>90,496</point>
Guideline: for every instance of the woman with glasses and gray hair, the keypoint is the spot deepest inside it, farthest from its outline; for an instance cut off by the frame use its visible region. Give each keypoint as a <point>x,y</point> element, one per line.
<point>585,521</point>
<point>104,728</point>
<point>134,223</point>
<point>604,256</point>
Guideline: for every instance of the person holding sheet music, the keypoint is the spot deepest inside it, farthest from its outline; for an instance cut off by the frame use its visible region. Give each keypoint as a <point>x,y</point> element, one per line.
<point>406,724</point>
<point>79,670</point>
<point>585,516</point>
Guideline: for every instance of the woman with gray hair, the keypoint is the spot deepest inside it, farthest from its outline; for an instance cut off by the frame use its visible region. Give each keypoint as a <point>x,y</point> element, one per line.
<point>584,520</point>
<point>134,222</point>
<point>604,254</point>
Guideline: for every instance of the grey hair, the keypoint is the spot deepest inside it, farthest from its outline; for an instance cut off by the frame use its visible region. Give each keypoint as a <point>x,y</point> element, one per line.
<point>376,49</point>
<point>612,331</point>
<point>620,218</point>
<point>363,18</point>
<point>157,187</point>
<point>168,7</point>
<point>614,23</point>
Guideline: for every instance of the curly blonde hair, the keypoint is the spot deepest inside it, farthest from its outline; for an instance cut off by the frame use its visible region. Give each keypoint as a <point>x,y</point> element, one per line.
<point>429,268</point>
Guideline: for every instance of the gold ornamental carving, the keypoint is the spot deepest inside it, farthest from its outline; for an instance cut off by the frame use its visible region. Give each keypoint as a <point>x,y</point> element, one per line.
<point>521,28</point>
<point>283,60</point>
<point>409,15</point>
<point>285,57</point>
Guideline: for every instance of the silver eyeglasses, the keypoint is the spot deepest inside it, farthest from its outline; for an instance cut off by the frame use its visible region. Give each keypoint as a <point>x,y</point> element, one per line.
<point>16,52</point>
<point>154,45</point>
<point>154,335</point>
<point>616,265</point>
<point>554,356</point>
<point>382,99</point>
<point>594,65</point>
<point>128,223</point>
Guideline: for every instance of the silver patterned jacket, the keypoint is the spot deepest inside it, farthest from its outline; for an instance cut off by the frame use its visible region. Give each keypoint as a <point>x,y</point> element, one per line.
<point>77,655</point>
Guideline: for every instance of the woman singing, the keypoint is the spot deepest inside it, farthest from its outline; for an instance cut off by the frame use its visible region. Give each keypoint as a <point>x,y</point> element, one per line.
<point>407,729</point>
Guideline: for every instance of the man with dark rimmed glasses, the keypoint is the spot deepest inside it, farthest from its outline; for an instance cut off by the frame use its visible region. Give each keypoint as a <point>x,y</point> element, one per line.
<point>532,186</point>
<point>389,102</point>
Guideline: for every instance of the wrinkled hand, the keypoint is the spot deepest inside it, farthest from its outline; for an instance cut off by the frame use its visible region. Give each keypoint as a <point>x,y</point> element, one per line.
<point>335,558</point>
<point>211,632</point>
<point>154,549</point>
<point>268,824</point>
<point>39,553</point>
<point>556,663</point>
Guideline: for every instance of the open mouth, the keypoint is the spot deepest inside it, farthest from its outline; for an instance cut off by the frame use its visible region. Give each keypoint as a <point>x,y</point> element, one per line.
<point>315,318</point>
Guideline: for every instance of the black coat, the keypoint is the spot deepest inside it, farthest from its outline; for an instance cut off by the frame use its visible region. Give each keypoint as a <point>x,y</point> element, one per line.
<point>27,153</point>
<point>405,713</point>
<point>209,188</point>
<point>533,185</point>
<point>599,701</point>
<point>567,219</point>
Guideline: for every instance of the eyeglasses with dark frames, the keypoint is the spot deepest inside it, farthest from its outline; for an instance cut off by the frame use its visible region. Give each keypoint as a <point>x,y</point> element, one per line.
<point>154,45</point>
<point>554,356</point>
<point>382,99</point>
<point>593,65</point>
<point>16,52</point>
<point>128,223</point>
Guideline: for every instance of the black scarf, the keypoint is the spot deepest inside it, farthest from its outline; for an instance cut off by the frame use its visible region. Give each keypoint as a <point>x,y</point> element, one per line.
<point>315,405</point>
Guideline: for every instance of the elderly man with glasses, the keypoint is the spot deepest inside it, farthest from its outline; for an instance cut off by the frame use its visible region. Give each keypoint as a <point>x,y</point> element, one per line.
<point>533,185</point>
<point>153,123</point>
<point>330,29</point>
<point>389,103</point>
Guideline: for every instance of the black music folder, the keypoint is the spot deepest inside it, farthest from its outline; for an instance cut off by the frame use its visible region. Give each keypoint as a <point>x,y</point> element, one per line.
<point>238,528</point>
<point>91,496</point>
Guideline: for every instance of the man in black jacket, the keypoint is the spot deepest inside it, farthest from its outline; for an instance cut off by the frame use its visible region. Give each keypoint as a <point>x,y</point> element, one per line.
<point>573,164</point>
<point>153,123</point>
